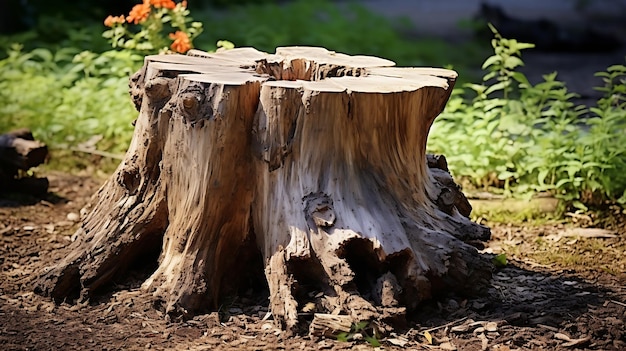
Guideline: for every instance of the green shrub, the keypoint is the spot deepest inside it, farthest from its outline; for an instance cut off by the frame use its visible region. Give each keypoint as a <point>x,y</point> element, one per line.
<point>67,99</point>
<point>525,138</point>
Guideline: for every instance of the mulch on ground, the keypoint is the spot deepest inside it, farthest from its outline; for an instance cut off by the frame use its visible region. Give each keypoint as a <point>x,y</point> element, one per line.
<point>558,291</point>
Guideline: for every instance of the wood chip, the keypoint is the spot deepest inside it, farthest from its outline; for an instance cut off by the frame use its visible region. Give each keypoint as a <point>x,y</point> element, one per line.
<point>447,346</point>
<point>562,336</point>
<point>397,341</point>
<point>483,341</point>
<point>577,342</point>
<point>330,325</point>
<point>491,326</point>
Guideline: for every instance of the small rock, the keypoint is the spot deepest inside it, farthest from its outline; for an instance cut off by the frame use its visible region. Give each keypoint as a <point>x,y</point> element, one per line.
<point>73,217</point>
<point>491,326</point>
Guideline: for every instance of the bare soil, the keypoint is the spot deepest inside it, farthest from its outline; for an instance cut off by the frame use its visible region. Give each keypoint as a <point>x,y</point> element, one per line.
<point>563,288</point>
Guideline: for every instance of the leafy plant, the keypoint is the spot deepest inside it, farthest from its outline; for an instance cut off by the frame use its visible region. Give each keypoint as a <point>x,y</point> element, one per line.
<point>71,97</point>
<point>364,329</point>
<point>523,138</point>
<point>67,98</point>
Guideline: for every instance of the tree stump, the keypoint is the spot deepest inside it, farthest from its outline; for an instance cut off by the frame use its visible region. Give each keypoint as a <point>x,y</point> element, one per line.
<point>307,164</point>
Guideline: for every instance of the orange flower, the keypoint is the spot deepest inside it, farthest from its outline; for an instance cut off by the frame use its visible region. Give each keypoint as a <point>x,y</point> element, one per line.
<point>112,20</point>
<point>184,4</point>
<point>168,4</point>
<point>181,43</point>
<point>139,12</point>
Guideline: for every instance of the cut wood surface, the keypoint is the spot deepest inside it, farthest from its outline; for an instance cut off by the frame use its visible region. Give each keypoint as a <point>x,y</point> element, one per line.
<point>307,165</point>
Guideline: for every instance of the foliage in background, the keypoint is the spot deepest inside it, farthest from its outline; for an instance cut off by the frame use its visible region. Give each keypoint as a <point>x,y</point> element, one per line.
<point>72,89</point>
<point>67,98</point>
<point>71,98</point>
<point>344,27</point>
<point>503,132</point>
<point>526,138</point>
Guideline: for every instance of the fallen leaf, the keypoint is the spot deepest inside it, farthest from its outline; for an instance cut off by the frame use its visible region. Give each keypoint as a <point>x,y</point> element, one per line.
<point>309,307</point>
<point>428,337</point>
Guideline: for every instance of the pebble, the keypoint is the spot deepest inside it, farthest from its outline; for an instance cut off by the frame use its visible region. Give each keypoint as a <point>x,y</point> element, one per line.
<point>73,216</point>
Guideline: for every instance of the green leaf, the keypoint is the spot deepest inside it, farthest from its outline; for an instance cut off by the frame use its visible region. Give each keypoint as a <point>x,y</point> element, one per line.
<point>579,205</point>
<point>496,87</point>
<point>520,78</point>
<point>372,341</point>
<point>524,46</point>
<point>512,62</point>
<point>499,260</point>
<point>343,337</point>
<point>360,325</point>
<point>491,61</point>
<point>542,175</point>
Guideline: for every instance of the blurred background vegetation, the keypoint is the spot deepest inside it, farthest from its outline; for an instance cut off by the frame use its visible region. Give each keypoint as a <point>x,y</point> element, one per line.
<point>60,78</point>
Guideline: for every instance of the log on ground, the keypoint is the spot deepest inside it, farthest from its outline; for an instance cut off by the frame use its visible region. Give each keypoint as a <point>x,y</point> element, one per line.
<point>19,152</point>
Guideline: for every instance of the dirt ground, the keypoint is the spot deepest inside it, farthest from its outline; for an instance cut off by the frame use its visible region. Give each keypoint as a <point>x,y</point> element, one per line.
<point>563,288</point>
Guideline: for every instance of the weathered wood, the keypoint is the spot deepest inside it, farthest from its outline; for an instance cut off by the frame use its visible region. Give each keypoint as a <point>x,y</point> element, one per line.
<point>306,164</point>
<point>19,151</point>
<point>330,325</point>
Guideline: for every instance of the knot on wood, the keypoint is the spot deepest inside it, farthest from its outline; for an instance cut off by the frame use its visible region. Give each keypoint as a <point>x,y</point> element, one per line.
<point>158,89</point>
<point>191,104</point>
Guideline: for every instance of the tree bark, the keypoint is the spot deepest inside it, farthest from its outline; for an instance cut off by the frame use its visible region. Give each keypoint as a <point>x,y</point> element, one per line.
<point>307,164</point>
